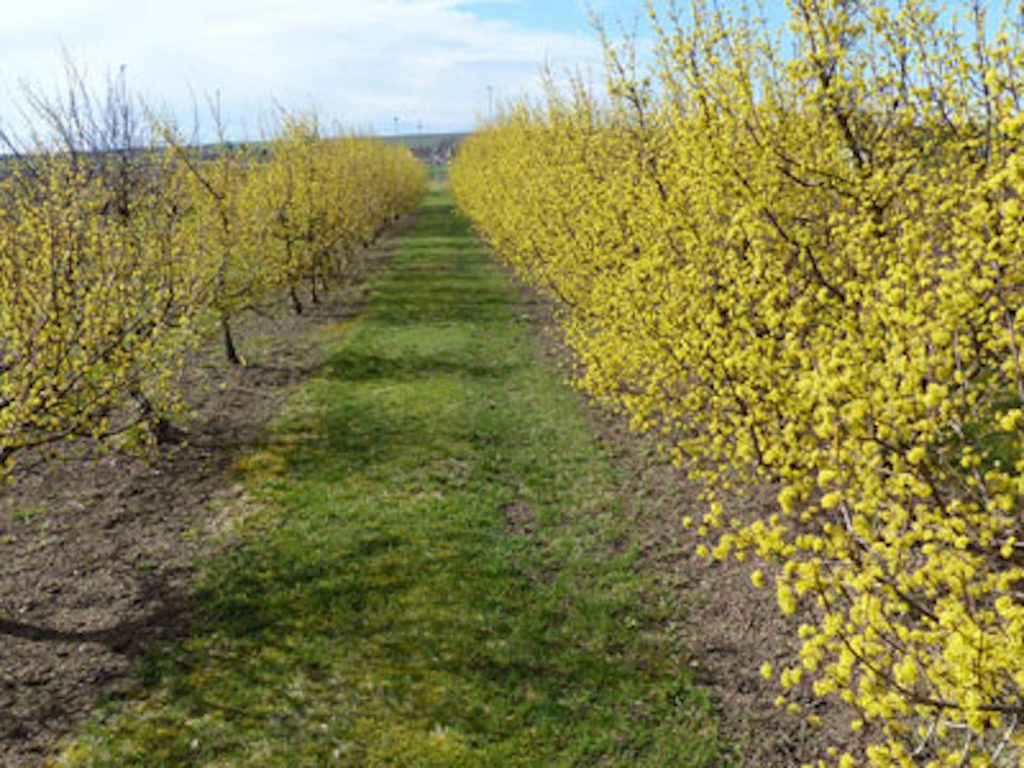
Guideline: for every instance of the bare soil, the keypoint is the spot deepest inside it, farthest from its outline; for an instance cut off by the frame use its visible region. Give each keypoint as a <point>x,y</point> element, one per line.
<point>728,627</point>
<point>97,552</point>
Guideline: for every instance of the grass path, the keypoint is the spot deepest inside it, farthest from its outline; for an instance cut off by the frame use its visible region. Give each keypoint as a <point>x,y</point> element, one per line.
<point>438,575</point>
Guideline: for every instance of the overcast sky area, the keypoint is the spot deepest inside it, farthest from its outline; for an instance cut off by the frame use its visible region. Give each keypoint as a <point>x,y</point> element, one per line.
<point>433,64</point>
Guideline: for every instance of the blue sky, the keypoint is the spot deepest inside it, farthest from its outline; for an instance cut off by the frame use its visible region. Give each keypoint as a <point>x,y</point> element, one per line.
<point>429,63</point>
<point>564,16</point>
<point>432,64</point>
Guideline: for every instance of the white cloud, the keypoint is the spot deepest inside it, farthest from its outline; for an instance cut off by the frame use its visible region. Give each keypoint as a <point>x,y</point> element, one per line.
<point>427,61</point>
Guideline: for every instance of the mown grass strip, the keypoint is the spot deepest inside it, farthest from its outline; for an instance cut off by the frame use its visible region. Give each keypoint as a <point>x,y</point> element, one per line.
<point>442,575</point>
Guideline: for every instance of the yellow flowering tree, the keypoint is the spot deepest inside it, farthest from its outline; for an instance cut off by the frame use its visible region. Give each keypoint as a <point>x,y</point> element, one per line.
<point>97,299</point>
<point>119,244</point>
<point>804,269</point>
<point>325,196</point>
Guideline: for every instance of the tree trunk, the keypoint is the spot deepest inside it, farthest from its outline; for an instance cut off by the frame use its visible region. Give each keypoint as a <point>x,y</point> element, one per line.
<point>312,288</point>
<point>229,342</point>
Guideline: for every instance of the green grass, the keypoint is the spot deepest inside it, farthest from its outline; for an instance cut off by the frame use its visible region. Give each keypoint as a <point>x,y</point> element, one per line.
<point>441,573</point>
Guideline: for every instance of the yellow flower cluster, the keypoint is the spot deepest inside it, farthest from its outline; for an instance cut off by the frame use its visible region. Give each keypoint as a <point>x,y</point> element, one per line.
<point>318,200</point>
<point>291,215</point>
<point>113,259</point>
<point>805,268</point>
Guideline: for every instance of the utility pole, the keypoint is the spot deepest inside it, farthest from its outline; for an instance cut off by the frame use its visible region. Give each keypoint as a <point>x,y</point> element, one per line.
<point>490,102</point>
<point>396,125</point>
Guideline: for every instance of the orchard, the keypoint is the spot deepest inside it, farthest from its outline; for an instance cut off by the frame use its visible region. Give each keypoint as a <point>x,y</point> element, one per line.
<point>122,246</point>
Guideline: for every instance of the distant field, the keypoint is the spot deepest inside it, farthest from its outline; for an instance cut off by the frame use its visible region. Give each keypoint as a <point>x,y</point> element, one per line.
<point>432,147</point>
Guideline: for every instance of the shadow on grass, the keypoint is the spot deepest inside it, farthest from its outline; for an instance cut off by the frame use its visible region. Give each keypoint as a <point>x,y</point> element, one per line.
<point>418,297</point>
<point>363,365</point>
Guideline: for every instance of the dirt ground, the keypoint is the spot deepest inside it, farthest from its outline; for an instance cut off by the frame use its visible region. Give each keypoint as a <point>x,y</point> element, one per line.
<point>97,553</point>
<point>726,625</point>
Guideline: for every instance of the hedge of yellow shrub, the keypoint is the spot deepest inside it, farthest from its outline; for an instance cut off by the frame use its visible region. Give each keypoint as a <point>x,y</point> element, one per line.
<point>796,257</point>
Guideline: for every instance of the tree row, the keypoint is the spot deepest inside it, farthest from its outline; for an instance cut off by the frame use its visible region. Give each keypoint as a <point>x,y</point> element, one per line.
<point>795,257</point>
<point>123,246</point>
